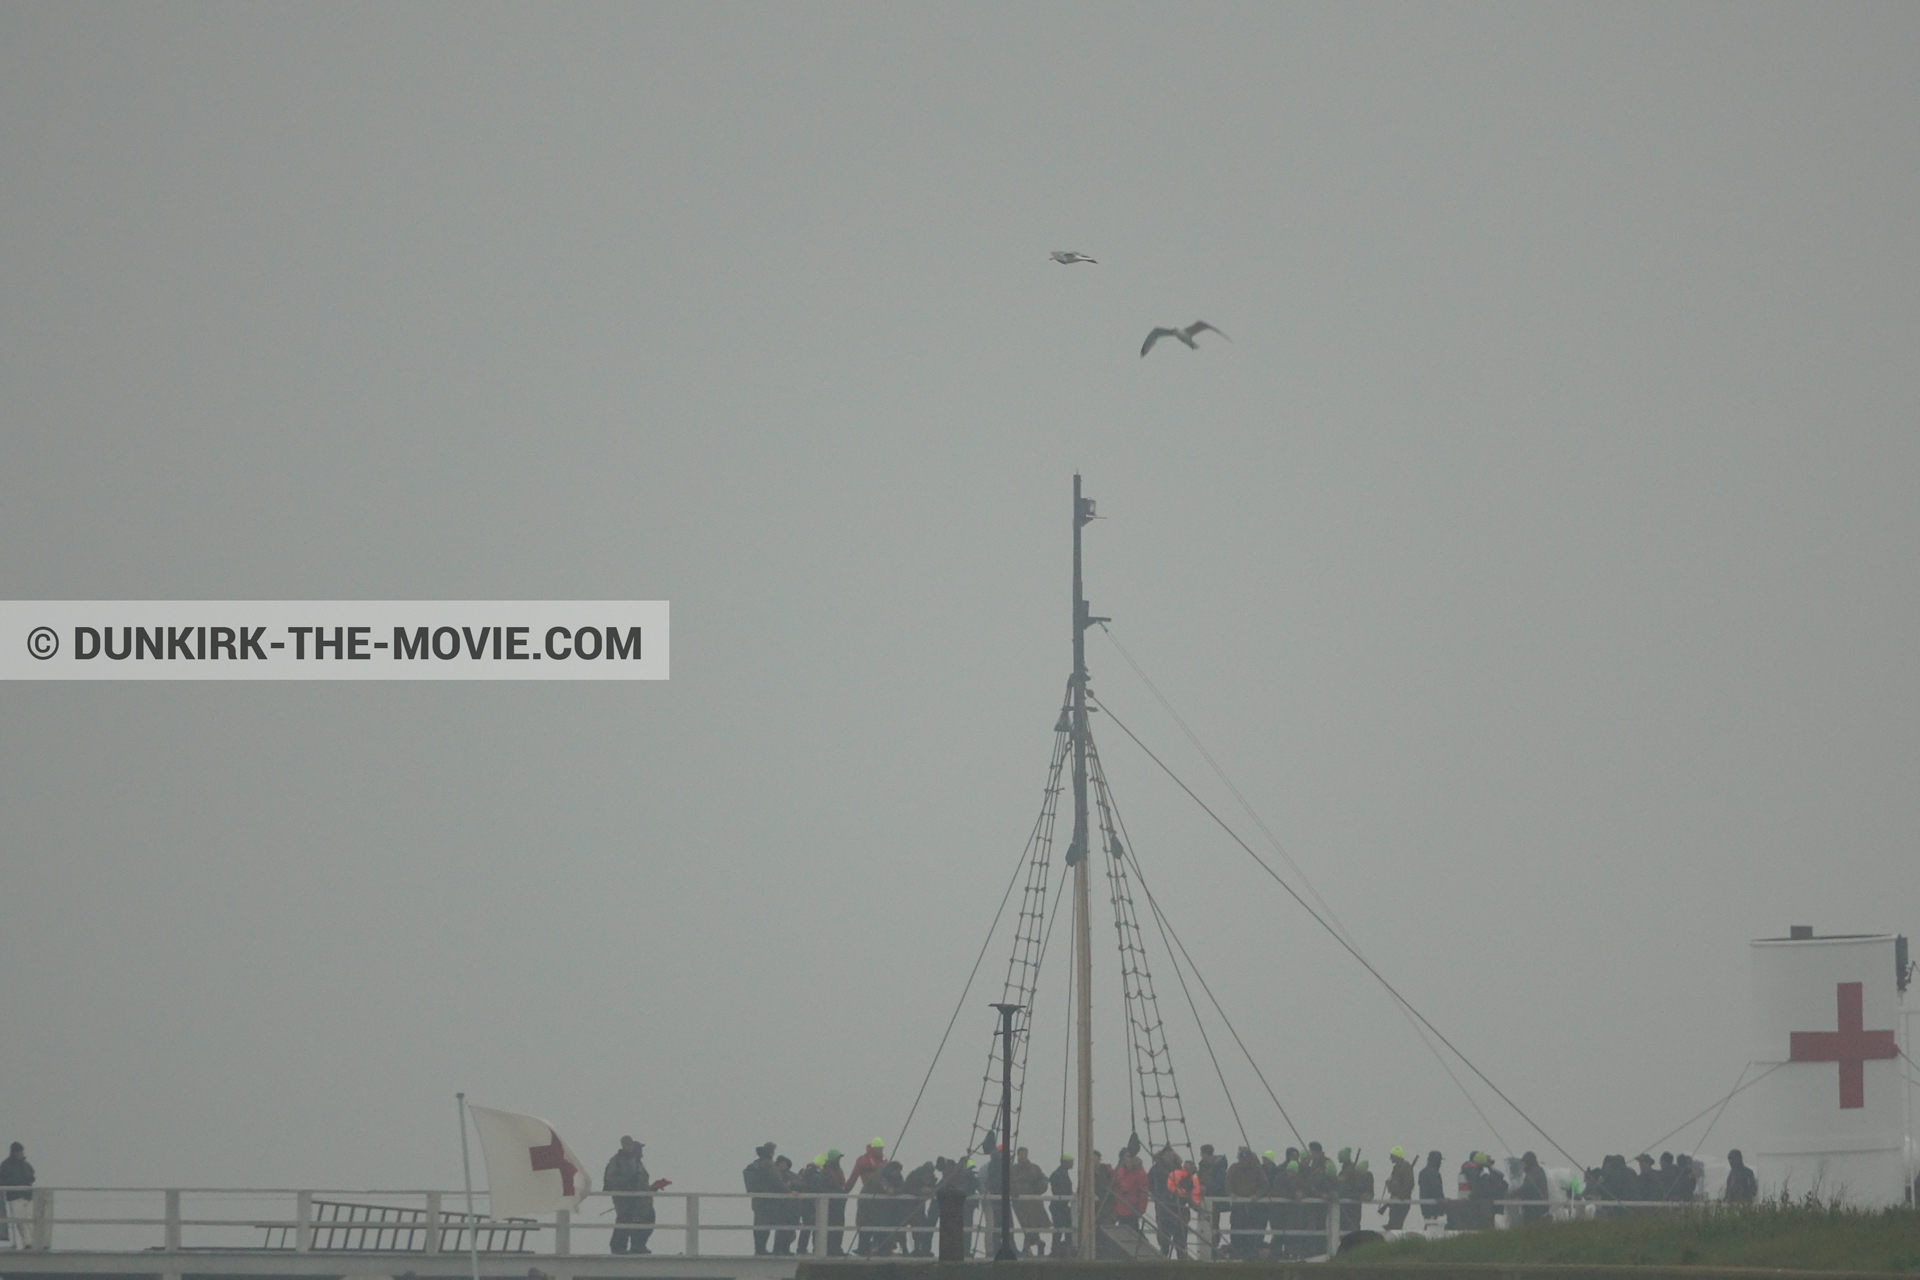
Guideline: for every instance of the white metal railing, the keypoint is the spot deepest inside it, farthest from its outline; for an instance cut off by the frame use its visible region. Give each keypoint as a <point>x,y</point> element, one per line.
<point>139,1219</point>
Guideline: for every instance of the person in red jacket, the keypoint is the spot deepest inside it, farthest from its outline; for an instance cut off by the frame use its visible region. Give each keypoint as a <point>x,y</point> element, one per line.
<point>1129,1190</point>
<point>865,1170</point>
<point>871,1161</point>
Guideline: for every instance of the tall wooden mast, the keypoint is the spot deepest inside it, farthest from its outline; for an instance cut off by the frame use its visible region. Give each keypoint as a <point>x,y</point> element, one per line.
<point>1077,857</point>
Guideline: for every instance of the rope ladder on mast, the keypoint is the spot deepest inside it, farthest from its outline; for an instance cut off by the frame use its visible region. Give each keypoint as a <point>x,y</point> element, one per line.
<point>1031,933</point>
<point>1162,1118</point>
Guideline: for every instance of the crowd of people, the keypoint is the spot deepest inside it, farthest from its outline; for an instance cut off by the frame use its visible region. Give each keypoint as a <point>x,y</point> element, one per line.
<point>1272,1206</point>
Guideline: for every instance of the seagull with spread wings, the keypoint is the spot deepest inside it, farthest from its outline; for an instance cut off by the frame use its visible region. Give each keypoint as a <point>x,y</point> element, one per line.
<point>1186,335</point>
<point>1067,257</point>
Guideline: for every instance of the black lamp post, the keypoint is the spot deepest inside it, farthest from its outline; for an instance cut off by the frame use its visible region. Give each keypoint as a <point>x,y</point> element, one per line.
<point>1007,1253</point>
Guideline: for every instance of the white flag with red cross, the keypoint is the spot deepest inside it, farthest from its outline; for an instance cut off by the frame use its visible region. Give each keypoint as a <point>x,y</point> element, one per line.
<point>530,1171</point>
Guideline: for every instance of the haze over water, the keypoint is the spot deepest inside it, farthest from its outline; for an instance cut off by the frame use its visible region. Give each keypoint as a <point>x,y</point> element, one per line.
<point>1538,557</point>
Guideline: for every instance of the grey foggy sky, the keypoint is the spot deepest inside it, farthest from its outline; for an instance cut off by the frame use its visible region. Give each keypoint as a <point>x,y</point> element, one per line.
<point>1538,557</point>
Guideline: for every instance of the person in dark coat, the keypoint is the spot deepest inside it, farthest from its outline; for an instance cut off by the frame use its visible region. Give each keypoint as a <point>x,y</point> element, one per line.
<point>759,1180</point>
<point>1532,1188</point>
<point>1284,1183</point>
<point>1490,1188</point>
<point>786,1206</point>
<point>877,1215</point>
<point>1742,1187</point>
<point>1433,1189</point>
<point>988,1168</point>
<point>837,1206</point>
<point>16,1175</point>
<point>1666,1179</point>
<point>1166,1209</point>
<point>890,1209</point>
<point>627,1171</point>
<point>1399,1188</point>
<point>1475,1213</point>
<point>1618,1185</point>
<point>1029,1184</point>
<point>1213,1185</point>
<point>921,1213</point>
<point>1060,1183</point>
<point>1356,1192</point>
<point>1686,1179</point>
<point>1346,1186</point>
<point>811,1182</point>
<point>1247,1185</point>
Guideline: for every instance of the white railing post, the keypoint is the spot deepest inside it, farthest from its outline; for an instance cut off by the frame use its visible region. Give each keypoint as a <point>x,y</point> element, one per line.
<point>1333,1229</point>
<point>819,1243</point>
<point>173,1221</point>
<point>433,1222</point>
<point>303,1222</point>
<point>562,1233</point>
<point>693,1224</point>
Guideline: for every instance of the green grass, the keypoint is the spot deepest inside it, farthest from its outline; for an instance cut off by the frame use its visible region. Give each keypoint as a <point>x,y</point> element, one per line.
<point>1802,1236</point>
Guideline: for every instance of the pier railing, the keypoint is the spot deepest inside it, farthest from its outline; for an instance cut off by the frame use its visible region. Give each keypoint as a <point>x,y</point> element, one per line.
<point>690,1224</point>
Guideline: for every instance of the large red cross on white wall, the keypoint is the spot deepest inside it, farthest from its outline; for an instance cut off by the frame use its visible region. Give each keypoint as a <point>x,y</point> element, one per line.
<point>1850,1046</point>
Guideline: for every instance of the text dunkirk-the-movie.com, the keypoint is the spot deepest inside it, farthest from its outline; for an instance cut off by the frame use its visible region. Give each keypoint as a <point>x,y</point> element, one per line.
<point>333,639</point>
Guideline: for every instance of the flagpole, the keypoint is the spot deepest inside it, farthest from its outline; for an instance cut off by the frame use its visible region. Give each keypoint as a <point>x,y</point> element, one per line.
<point>466,1169</point>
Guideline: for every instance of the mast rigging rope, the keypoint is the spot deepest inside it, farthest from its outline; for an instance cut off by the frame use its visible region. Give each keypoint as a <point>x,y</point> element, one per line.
<point>1335,935</point>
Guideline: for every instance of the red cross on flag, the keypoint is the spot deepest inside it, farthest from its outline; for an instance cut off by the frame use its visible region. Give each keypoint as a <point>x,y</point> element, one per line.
<point>530,1171</point>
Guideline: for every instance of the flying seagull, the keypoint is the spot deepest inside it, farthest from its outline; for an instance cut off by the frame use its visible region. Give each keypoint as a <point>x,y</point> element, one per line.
<point>1067,257</point>
<point>1186,335</point>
